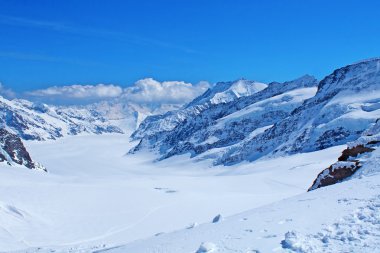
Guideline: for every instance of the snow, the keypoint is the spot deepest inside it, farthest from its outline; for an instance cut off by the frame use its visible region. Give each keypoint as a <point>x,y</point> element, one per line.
<point>287,99</point>
<point>343,164</point>
<point>95,197</point>
<point>206,247</point>
<point>240,88</point>
<point>343,217</point>
<point>339,218</point>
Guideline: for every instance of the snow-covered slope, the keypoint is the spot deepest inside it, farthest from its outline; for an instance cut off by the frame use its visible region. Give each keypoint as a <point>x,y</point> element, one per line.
<point>343,217</point>
<point>297,116</point>
<point>226,123</point>
<point>13,151</point>
<point>34,218</point>
<point>222,92</point>
<point>340,218</point>
<point>94,197</point>
<point>346,103</point>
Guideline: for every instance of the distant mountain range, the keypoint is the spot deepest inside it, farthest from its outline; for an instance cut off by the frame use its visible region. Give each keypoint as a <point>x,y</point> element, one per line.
<point>230,123</point>
<point>268,120</point>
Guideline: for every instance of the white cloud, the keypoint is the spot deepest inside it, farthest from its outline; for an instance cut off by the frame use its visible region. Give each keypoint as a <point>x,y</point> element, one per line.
<point>147,91</point>
<point>6,92</point>
<point>151,91</point>
<point>100,91</point>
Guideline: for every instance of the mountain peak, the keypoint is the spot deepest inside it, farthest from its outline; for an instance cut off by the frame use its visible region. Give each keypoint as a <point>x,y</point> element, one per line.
<point>224,92</point>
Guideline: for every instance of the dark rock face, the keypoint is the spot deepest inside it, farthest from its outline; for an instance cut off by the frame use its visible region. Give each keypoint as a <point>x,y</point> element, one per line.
<point>334,174</point>
<point>354,152</point>
<point>12,150</point>
<point>350,160</point>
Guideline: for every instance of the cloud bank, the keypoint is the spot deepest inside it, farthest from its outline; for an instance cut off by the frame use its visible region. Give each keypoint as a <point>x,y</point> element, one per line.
<point>6,92</point>
<point>172,92</point>
<point>144,91</point>
<point>79,91</point>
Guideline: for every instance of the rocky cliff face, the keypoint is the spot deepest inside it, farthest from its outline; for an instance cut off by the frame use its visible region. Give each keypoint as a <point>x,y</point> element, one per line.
<point>352,159</point>
<point>13,151</point>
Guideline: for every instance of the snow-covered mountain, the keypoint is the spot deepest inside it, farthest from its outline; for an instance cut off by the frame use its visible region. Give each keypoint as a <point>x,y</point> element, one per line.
<point>13,151</point>
<point>216,125</point>
<point>222,92</point>
<point>38,121</point>
<point>206,208</point>
<point>298,116</point>
<point>346,103</point>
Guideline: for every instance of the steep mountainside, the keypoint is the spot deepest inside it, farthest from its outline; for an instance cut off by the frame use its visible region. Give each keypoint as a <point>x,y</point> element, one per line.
<point>12,151</point>
<point>347,102</point>
<point>227,123</point>
<point>222,92</point>
<point>287,118</point>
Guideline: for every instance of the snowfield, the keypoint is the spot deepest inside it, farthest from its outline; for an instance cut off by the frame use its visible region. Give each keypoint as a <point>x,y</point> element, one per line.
<point>95,197</point>
<point>343,217</point>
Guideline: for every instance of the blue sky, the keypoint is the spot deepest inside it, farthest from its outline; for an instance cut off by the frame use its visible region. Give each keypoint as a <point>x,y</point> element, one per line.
<point>46,43</point>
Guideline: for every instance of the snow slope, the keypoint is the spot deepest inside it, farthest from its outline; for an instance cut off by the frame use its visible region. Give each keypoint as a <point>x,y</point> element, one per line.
<point>346,104</point>
<point>95,197</point>
<point>222,92</point>
<point>339,218</point>
<point>227,123</point>
<point>344,217</point>
<point>302,116</point>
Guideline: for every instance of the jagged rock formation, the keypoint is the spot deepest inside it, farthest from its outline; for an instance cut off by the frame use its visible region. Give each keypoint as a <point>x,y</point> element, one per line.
<point>351,159</point>
<point>13,151</point>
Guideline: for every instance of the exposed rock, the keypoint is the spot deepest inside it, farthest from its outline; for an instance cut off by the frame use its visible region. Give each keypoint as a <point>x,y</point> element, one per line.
<point>13,151</point>
<point>217,218</point>
<point>349,162</point>
<point>335,174</point>
<point>355,151</point>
